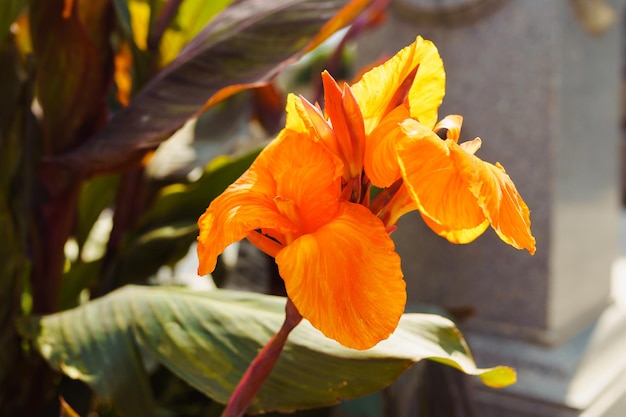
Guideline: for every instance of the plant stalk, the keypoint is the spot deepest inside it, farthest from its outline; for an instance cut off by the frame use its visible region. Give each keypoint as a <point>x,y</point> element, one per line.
<point>261,366</point>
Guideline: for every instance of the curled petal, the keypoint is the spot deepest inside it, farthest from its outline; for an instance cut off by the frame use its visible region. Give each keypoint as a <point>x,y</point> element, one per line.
<point>471,146</point>
<point>497,196</point>
<point>345,278</point>
<point>245,206</point>
<point>441,191</point>
<point>378,90</point>
<point>452,123</point>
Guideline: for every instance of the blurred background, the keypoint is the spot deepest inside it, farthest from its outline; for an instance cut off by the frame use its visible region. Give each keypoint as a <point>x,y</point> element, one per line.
<point>540,81</point>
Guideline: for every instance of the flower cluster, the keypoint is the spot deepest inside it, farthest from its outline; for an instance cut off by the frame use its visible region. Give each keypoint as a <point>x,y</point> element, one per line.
<point>306,199</point>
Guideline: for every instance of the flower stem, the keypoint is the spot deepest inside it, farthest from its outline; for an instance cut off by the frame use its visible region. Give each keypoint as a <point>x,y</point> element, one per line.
<point>261,366</point>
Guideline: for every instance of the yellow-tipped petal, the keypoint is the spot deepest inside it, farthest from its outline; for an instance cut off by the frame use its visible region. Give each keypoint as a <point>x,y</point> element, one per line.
<point>378,90</point>
<point>496,194</point>
<point>441,192</point>
<point>429,87</point>
<point>452,123</point>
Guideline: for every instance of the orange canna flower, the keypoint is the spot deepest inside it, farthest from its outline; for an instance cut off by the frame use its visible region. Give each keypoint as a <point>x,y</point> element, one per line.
<point>336,258</point>
<point>386,125</point>
<point>306,199</point>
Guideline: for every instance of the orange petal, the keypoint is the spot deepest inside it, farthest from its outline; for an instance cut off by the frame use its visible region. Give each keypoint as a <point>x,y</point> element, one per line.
<point>246,205</point>
<point>304,117</point>
<point>307,179</point>
<point>380,160</point>
<point>501,203</point>
<point>452,123</point>
<point>346,279</point>
<point>378,88</point>
<point>347,122</point>
<point>292,187</point>
<point>401,204</point>
<point>340,19</point>
<point>442,192</point>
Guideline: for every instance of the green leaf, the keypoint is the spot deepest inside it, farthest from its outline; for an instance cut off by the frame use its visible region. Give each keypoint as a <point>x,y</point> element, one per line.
<point>208,339</point>
<point>169,227</point>
<point>192,16</point>
<point>186,202</point>
<point>244,46</point>
<point>144,256</point>
<point>96,195</point>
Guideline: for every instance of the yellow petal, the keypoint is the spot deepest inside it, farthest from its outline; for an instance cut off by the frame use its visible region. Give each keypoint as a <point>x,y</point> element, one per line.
<point>497,196</point>
<point>382,88</point>
<point>440,190</point>
<point>455,234</point>
<point>429,87</point>
<point>295,111</point>
<point>346,279</point>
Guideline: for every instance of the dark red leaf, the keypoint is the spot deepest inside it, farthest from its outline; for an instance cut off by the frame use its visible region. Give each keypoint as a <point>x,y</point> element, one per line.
<point>244,46</point>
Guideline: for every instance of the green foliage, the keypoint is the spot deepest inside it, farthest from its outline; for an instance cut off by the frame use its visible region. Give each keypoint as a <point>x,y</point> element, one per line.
<point>209,339</point>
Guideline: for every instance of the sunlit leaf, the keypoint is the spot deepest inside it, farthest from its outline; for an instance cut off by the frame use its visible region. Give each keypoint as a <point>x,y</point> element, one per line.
<point>208,339</point>
<point>139,16</point>
<point>192,16</point>
<point>243,46</point>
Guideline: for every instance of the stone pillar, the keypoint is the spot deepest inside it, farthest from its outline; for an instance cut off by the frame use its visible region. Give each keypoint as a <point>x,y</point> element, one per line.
<point>544,95</point>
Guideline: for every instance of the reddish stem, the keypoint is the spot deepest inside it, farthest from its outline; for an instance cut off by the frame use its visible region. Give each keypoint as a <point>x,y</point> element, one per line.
<point>58,216</point>
<point>261,366</point>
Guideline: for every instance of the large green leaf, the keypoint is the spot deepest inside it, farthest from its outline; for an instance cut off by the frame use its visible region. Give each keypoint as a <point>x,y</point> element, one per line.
<point>169,227</point>
<point>245,45</point>
<point>208,339</point>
